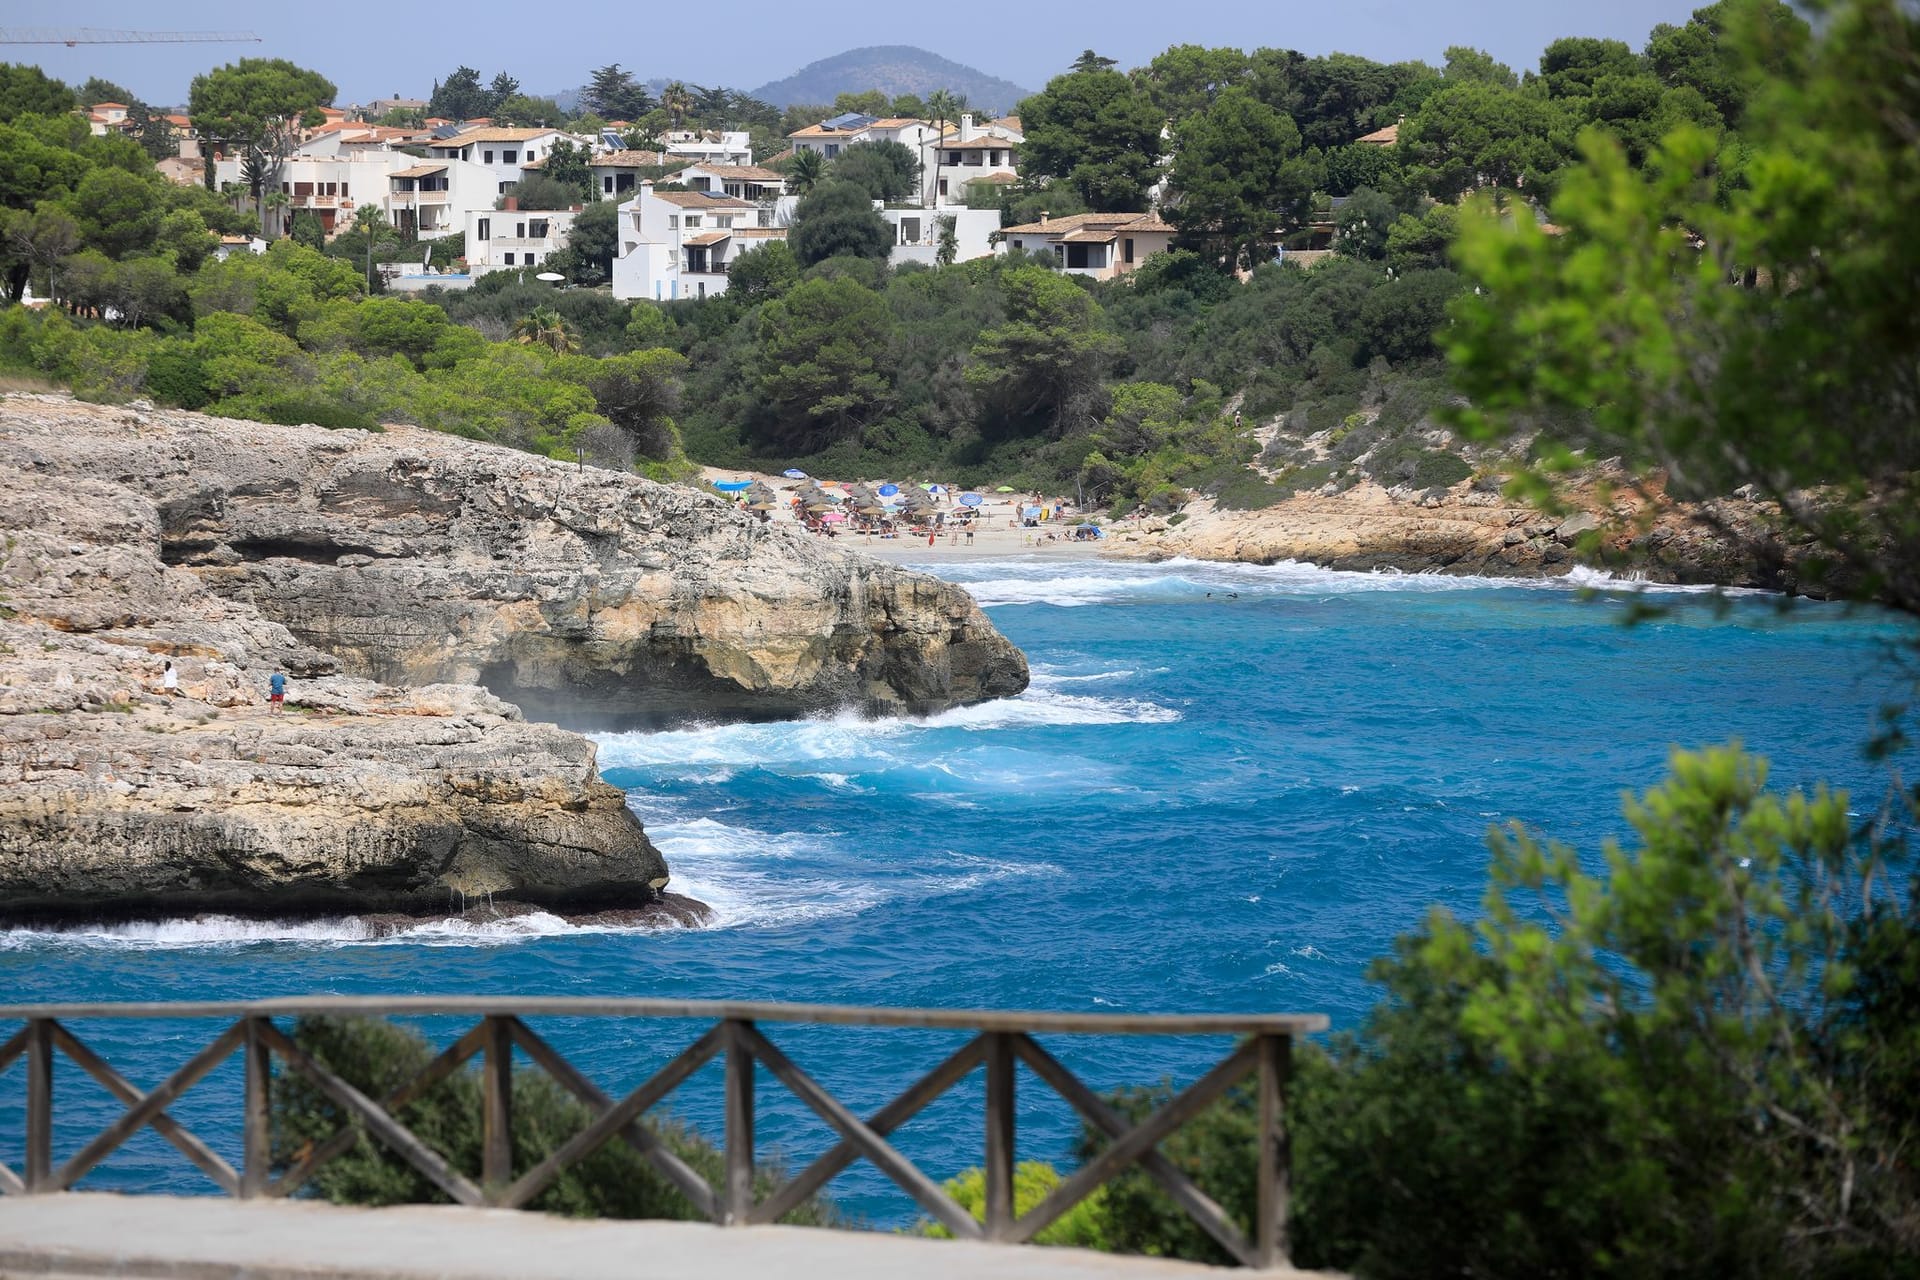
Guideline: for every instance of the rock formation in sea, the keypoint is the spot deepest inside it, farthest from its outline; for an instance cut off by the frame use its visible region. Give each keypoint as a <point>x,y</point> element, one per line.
<point>409,583</point>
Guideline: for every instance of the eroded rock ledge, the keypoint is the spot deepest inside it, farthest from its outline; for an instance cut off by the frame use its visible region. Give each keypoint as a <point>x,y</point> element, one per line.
<point>586,596</point>
<point>389,575</point>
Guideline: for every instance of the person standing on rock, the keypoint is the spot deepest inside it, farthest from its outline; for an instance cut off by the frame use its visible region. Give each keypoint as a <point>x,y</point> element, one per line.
<point>170,681</point>
<point>276,694</point>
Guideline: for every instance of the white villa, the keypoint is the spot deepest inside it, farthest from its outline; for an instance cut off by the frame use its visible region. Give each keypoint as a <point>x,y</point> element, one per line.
<point>330,187</point>
<point>974,153</point>
<point>678,244</point>
<point>434,197</point>
<point>503,151</point>
<point>508,239</point>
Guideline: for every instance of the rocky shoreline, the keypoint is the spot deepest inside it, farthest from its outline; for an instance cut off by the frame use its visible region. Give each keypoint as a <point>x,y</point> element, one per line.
<point>408,583</point>
<point>1466,530</point>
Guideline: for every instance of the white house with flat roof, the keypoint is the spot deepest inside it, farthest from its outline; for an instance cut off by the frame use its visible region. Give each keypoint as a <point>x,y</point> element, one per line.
<point>707,146</point>
<point>916,233</point>
<point>503,151</point>
<point>331,187</point>
<point>743,181</point>
<point>679,244</point>
<point>509,239</point>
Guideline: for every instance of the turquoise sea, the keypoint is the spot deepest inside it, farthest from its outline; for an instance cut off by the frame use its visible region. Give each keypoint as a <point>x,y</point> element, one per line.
<point>1228,789</point>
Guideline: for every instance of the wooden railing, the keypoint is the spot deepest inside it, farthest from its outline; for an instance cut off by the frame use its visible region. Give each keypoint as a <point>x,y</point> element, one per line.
<point>1000,1040</point>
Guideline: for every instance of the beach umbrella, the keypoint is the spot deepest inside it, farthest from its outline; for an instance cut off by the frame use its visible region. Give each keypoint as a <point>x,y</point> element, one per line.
<point>1005,488</point>
<point>889,490</point>
<point>794,473</point>
<point>934,488</point>
<point>971,499</point>
<point>833,517</point>
<point>732,486</point>
<point>1031,513</point>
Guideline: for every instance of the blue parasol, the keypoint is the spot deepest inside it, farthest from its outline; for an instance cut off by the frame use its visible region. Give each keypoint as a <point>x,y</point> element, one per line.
<point>794,473</point>
<point>732,486</point>
<point>971,499</point>
<point>889,490</point>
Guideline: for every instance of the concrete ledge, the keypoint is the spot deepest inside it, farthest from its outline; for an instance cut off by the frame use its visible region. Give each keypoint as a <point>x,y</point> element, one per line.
<point>71,1235</point>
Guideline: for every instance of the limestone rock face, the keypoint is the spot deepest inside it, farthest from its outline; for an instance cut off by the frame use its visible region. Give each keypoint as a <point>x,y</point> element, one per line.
<point>117,799</point>
<point>416,558</point>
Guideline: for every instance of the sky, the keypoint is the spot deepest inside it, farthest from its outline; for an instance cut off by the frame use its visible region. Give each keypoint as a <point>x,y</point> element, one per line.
<point>373,51</point>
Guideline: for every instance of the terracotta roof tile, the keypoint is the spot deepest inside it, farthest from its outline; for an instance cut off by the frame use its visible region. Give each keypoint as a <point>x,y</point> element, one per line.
<point>625,160</point>
<point>744,172</point>
<point>1382,137</point>
<point>707,237</point>
<point>1137,222</point>
<point>472,136</point>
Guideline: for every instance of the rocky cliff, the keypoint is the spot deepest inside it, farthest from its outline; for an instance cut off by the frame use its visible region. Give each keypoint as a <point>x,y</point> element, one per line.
<point>389,575</point>
<point>582,595</point>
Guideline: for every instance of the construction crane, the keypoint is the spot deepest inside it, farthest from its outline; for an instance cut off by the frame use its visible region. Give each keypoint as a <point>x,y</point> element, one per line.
<point>71,36</point>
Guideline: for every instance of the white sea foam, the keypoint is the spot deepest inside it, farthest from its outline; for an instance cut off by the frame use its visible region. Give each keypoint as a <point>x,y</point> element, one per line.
<point>998,583</point>
<point>218,932</point>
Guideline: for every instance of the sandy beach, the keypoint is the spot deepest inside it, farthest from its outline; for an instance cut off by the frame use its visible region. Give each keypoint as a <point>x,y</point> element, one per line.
<point>997,531</point>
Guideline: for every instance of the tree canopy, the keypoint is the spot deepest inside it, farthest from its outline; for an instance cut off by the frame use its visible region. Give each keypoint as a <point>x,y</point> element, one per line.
<point>1089,129</point>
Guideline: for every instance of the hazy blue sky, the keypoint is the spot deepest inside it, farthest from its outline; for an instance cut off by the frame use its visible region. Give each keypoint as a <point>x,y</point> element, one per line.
<point>372,50</point>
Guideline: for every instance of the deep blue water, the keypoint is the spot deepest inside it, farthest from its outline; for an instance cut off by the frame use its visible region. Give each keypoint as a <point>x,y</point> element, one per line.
<point>1228,789</point>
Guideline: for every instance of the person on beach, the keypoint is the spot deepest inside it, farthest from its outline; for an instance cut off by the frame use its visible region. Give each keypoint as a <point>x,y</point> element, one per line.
<point>932,533</point>
<point>170,681</point>
<point>276,694</point>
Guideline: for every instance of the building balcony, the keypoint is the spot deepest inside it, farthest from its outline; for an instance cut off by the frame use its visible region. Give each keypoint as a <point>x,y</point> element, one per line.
<point>421,197</point>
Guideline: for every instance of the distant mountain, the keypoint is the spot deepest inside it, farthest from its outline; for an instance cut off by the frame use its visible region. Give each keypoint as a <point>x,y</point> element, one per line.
<point>896,69</point>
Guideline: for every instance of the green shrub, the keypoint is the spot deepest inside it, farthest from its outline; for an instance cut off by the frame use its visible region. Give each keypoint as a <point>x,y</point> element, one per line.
<point>377,1057</point>
<point>1081,1227</point>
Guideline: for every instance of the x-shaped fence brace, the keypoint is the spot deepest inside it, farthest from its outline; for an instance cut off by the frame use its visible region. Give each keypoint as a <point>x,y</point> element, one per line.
<point>1264,1055</point>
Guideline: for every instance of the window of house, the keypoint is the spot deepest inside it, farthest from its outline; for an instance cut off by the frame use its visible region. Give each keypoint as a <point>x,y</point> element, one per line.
<point>483,230</point>
<point>606,185</point>
<point>344,191</point>
<point>833,149</point>
<point>693,221</point>
<point>510,157</point>
<point>943,186</point>
<point>703,288</point>
<point>538,228</point>
<point>909,231</point>
<point>1126,249</point>
<point>1016,244</point>
<point>488,155</point>
<point>509,259</point>
<point>532,154</point>
<point>505,187</point>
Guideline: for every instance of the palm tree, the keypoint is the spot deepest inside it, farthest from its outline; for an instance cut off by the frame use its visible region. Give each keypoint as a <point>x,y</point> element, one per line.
<point>943,106</point>
<point>272,224</point>
<point>543,326</point>
<point>805,171</point>
<point>676,99</point>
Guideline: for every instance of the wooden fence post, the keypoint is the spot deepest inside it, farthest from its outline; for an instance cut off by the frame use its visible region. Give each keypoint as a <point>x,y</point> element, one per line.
<point>496,1085</point>
<point>256,1125</point>
<point>39,1163</point>
<point>1000,1135</point>
<point>738,1210</point>
<point>1275,1189</point>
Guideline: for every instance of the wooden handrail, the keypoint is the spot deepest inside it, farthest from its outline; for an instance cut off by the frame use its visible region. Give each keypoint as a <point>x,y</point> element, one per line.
<point>999,1042</point>
<point>1116,1024</point>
